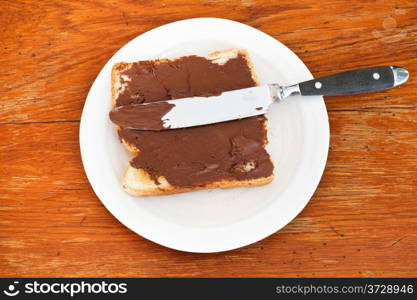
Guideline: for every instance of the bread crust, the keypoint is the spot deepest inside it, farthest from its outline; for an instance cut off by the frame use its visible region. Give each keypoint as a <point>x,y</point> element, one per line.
<point>132,176</point>
<point>138,182</point>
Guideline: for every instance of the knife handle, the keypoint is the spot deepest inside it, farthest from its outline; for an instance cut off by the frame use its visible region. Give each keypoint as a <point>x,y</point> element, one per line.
<point>355,81</point>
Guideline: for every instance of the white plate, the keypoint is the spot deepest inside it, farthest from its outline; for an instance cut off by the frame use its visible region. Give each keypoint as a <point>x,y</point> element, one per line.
<point>213,220</point>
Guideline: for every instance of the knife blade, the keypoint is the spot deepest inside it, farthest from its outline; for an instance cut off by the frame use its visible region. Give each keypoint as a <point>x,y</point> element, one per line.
<point>194,111</point>
<point>238,104</point>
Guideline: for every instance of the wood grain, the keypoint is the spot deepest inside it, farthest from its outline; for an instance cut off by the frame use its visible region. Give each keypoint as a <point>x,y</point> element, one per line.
<point>361,221</point>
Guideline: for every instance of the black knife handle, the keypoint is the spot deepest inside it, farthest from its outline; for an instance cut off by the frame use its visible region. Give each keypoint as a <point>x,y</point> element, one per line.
<point>352,82</point>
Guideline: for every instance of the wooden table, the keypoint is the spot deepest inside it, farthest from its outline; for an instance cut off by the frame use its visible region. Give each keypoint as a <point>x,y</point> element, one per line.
<point>362,220</point>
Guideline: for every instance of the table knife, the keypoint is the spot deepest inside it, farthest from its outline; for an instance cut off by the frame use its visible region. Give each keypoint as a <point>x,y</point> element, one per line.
<point>237,104</point>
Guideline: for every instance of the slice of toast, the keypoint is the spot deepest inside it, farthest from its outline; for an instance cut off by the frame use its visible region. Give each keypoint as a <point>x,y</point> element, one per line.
<point>138,181</point>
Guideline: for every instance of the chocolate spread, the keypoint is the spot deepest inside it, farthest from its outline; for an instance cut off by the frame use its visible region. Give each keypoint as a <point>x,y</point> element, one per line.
<point>146,116</point>
<point>195,156</point>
